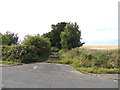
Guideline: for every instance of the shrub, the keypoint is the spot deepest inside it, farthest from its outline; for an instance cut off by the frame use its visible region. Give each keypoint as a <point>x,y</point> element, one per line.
<point>14,53</point>
<point>33,49</point>
<point>37,44</point>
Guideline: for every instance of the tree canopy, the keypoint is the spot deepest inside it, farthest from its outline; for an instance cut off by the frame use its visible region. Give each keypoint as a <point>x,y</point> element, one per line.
<point>64,35</point>
<point>9,38</point>
<point>70,37</point>
<point>54,34</point>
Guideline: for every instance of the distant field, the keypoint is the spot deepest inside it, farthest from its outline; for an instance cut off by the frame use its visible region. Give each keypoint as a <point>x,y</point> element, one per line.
<point>102,47</point>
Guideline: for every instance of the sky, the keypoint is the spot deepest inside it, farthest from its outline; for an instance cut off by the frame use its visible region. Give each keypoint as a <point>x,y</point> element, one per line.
<point>97,19</point>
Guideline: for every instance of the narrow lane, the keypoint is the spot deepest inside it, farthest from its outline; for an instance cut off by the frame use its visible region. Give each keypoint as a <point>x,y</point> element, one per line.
<point>51,75</point>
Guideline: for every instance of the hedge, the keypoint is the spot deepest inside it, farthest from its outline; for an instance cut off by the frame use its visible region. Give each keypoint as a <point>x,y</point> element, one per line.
<point>20,53</point>
<point>32,49</point>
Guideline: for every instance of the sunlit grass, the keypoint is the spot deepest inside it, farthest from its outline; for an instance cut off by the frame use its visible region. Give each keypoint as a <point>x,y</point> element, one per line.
<point>11,63</point>
<point>90,61</point>
<point>89,69</point>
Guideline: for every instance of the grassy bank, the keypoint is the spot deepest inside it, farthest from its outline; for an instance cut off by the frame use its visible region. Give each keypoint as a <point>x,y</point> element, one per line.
<point>90,61</point>
<point>11,63</point>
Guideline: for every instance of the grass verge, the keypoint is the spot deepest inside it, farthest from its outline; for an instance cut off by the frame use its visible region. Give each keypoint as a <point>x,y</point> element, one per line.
<point>89,69</point>
<point>11,63</point>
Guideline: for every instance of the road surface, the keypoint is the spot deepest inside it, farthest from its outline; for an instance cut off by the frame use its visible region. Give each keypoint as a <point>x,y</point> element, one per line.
<point>51,75</point>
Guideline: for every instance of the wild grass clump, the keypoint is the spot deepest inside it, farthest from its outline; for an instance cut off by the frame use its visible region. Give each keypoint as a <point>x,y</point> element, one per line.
<point>99,71</point>
<point>64,61</point>
<point>91,61</point>
<point>93,58</point>
<point>11,63</point>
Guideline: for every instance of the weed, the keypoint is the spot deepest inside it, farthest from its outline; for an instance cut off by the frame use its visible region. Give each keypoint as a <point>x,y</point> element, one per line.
<point>90,61</point>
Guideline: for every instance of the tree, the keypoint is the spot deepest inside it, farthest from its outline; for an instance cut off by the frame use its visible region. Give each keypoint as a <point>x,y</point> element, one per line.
<point>9,38</point>
<point>54,35</point>
<point>70,37</point>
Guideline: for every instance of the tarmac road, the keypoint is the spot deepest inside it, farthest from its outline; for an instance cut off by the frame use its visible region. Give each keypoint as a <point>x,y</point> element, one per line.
<point>51,75</point>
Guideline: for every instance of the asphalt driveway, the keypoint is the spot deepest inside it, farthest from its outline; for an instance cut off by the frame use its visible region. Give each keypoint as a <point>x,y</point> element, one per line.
<point>51,75</point>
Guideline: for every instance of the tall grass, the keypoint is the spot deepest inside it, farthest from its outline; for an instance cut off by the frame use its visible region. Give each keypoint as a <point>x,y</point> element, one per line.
<point>90,58</point>
<point>92,61</point>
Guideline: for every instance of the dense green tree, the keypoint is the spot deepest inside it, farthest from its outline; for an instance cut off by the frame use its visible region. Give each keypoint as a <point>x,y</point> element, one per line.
<point>54,35</point>
<point>9,38</point>
<point>70,37</point>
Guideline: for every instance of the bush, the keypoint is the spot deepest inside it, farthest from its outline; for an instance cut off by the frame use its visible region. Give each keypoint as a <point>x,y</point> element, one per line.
<point>39,45</point>
<point>33,49</point>
<point>14,53</point>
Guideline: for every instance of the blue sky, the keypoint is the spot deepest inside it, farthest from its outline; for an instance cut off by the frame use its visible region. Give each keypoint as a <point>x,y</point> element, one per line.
<point>107,42</point>
<point>97,19</point>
